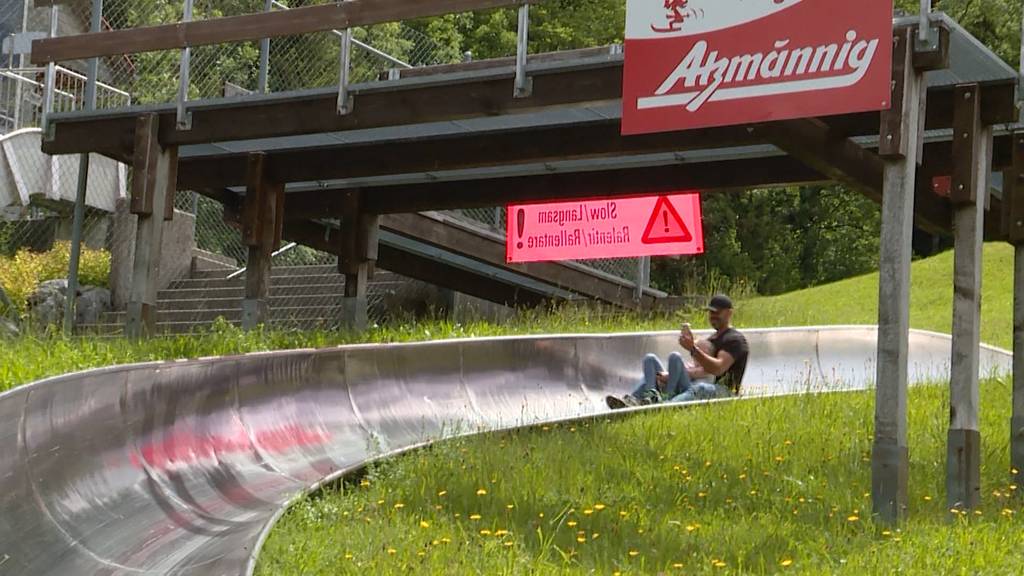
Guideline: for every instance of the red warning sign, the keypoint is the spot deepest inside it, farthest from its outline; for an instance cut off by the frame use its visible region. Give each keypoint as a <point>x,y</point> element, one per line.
<point>605,228</point>
<point>665,225</point>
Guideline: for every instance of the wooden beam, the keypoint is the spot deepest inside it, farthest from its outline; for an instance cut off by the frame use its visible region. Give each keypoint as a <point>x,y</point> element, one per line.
<point>441,231</point>
<point>303,20</point>
<point>319,237</point>
<point>316,112</point>
<point>812,141</point>
<point>474,150</point>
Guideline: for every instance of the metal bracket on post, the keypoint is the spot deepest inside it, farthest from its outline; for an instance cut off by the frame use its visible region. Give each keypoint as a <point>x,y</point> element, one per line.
<point>345,100</point>
<point>184,117</point>
<point>524,84</point>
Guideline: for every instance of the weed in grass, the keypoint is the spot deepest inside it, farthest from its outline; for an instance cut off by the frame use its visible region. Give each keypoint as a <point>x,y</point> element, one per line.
<point>769,486</point>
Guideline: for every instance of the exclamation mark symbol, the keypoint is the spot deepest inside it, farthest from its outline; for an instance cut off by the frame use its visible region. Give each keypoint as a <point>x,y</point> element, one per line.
<point>664,216</point>
<point>520,224</point>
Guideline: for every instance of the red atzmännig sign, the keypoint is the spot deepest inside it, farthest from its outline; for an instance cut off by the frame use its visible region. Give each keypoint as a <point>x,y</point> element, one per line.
<point>606,228</point>
<point>701,63</point>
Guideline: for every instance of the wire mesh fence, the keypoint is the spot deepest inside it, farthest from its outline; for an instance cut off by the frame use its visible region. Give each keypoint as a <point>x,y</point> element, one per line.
<point>37,216</point>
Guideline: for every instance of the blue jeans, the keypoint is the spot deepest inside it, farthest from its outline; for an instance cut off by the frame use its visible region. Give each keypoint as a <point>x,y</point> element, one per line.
<point>679,388</point>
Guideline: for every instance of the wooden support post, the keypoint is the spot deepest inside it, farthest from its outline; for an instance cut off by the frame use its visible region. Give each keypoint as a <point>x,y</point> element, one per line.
<point>261,231</point>
<point>1013,224</point>
<point>153,183</point>
<point>357,258</point>
<point>972,162</point>
<point>900,127</point>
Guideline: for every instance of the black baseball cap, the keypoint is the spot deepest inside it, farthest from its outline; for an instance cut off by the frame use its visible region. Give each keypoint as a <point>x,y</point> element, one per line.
<point>719,302</point>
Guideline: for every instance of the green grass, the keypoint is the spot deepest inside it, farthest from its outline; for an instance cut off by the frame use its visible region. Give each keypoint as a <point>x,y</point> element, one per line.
<point>855,301</point>
<point>767,486</point>
<point>852,301</point>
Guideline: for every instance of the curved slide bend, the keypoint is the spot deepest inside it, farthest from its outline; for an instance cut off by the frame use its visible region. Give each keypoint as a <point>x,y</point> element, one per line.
<point>182,467</point>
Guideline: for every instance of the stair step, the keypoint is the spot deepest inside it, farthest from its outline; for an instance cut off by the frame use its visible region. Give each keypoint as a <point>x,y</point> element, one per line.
<point>235,302</point>
<point>188,283</point>
<point>110,329</point>
<point>238,292</point>
<point>282,271</point>
<point>296,313</point>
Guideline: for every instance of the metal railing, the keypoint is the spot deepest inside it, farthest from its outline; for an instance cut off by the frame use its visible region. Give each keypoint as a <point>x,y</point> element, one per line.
<point>22,95</point>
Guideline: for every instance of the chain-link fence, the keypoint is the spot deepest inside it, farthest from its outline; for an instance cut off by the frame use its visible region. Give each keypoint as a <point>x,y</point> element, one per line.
<point>37,191</point>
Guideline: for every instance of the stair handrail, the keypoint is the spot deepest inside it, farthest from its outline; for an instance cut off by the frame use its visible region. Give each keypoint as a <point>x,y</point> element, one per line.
<point>286,248</point>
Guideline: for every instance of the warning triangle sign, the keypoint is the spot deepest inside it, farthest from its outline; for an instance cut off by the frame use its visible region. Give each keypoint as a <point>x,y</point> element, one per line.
<point>665,225</point>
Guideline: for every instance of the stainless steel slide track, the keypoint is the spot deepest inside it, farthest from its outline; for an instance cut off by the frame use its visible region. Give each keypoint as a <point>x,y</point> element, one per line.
<point>182,467</point>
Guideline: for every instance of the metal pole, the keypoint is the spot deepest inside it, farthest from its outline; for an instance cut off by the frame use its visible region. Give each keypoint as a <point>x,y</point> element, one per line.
<point>261,82</point>
<point>523,85</point>
<point>922,28</point>
<point>643,277</point>
<point>184,118</point>
<point>345,65</point>
<point>21,64</point>
<point>51,72</point>
<point>78,222</point>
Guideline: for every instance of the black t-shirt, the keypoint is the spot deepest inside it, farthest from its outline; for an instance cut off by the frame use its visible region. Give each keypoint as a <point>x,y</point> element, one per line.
<point>736,345</point>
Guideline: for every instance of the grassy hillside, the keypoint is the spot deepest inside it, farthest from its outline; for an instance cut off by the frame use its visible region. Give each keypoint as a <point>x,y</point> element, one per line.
<point>855,301</point>
<point>773,486</point>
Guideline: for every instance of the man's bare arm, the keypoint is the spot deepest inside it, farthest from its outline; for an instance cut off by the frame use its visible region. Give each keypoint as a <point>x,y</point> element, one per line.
<point>712,365</point>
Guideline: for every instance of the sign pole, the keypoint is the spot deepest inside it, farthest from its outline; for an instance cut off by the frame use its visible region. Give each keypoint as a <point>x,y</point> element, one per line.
<point>898,148</point>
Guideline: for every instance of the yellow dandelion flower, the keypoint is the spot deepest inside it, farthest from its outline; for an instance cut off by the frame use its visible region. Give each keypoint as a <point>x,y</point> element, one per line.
<point>435,542</point>
<point>691,527</point>
<point>595,536</point>
<point>677,565</point>
<point>927,498</point>
<point>364,482</point>
<point>633,553</point>
<point>581,539</point>
<point>786,562</point>
<point>1007,512</point>
<point>743,476</point>
<point>349,556</point>
<point>481,492</point>
<point>546,428</point>
<point>392,551</point>
<point>509,506</point>
<point>573,429</point>
<point>571,523</point>
<point>779,458</point>
<point>474,516</point>
<point>616,573</point>
<point>509,544</point>
<point>1014,471</point>
<point>442,493</point>
<point>446,540</point>
<point>718,564</point>
<point>421,553</point>
<point>540,515</point>
<point>399,505</point>
<point>485,532</point>
<point>588,512</point>
<point>599,507</point>
<point>623,513</point>
<point>701,494</point>
<point>379,502</point>
<point>788,443</point>
<point>852,518</point>
<point>424,524</point>
<point>886,533</point>
<point>1013,486</point>
<point>501,532</point>
<point>438,507</point>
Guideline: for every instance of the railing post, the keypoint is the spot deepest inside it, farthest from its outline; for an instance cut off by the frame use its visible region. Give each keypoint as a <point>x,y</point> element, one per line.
<point>261,82</point>
<point>523,83</point>
<point>184,117</point>
<point>51,72</point>
<point>345,68</point>
<point>71,295</point>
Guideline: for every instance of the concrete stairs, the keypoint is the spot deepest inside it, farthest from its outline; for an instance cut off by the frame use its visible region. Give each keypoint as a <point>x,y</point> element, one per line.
<point>301,297</point>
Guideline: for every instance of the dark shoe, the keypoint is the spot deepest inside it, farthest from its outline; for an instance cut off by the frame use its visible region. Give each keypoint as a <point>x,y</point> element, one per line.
<point>614,403</point>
